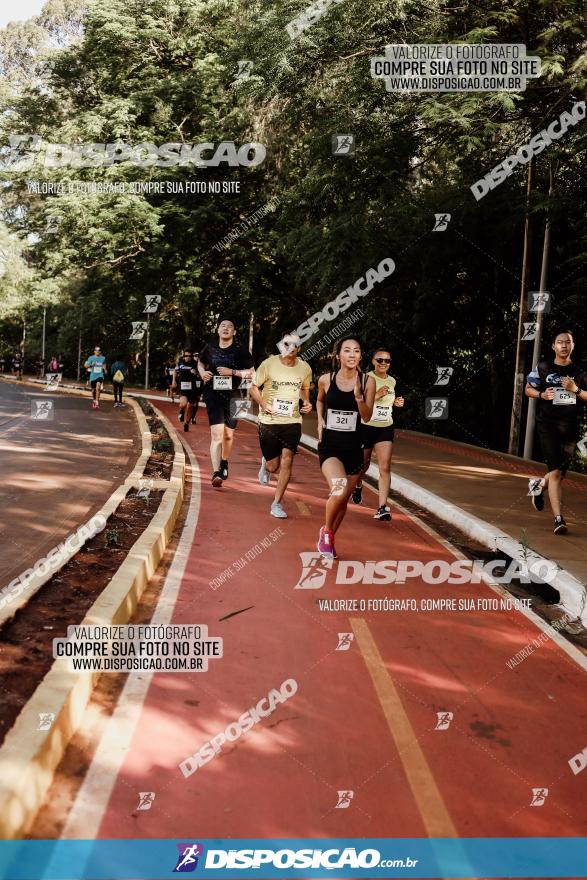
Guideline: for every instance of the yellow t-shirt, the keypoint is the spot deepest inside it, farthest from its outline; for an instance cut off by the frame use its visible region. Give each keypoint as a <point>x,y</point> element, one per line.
<point>383,408</point>
<point>281,389</point>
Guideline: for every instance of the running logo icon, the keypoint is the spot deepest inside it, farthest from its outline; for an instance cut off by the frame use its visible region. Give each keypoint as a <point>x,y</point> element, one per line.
<point>139,328</point>
<point>539,301</point>
<point>240,409</point>
<point>534,487</point>
<point>53,380</point>
<point>441,222</point>
<point>343,144</point>
<point>42,410</point>
<point>244,69</point>
<point>339,485</point>
<point>152,302</point>
<point>146,799</point>
<point>344,641</point>
<point>539,795</point>
<point>436,408</point>
<point>288,344</point>
<point>46,719</point>
<point>314,571</point>
<point>443,375</point>
<point>582,447</point>
<point>529,331</point>
<point>444,719</point>
<point>189,854</point>
<point>344,800</point>
<point>52,225</point>
<point>145,487</point>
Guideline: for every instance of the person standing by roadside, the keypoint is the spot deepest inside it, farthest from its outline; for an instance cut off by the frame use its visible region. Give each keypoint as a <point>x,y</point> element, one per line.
<point>343,399</point>
<point>285,380</point>
<point>223,366</point>
<point>96,364</point>
<point>560,386</point>
<point>119,373</point>
<point>379,431</point>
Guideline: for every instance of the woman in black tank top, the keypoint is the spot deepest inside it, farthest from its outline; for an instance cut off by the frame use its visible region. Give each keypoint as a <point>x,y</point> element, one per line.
<point>341,405</point>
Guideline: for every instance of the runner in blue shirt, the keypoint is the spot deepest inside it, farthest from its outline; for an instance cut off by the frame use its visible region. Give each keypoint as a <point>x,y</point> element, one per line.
<point>96,364</point>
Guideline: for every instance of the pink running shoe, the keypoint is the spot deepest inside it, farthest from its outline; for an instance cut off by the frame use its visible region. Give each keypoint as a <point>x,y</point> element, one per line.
<point>326,544</point>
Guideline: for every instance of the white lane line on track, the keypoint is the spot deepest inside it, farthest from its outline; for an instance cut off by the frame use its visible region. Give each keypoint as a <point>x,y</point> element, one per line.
<point>85,817</point>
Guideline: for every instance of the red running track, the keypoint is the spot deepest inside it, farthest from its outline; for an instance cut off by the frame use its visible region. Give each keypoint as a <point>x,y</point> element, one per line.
<point>363,719</point>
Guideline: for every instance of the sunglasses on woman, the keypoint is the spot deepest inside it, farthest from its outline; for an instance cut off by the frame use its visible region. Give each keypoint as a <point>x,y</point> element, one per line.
<point>383,360</point>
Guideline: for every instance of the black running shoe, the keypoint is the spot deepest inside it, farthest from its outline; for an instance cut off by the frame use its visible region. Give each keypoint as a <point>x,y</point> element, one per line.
<point>186,426</point>
<point>560,526</point>
<point>180,415</point>
<point>217,479</point>
<point>383,512</point>
<point>224,468</point>
<point>193,420</point>
<point>357,496</point>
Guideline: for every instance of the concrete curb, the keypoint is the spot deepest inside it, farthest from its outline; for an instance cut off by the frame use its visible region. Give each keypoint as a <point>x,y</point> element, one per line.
<point>28,757</point>
<point>8,610</point>
<point>572,592</point>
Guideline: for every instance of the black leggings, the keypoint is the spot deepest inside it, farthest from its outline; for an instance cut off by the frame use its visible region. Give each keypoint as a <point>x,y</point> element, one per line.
<point>118,386</point>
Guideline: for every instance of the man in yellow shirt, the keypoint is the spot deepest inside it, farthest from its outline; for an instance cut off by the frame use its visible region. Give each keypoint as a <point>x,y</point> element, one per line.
<point>285,380</point>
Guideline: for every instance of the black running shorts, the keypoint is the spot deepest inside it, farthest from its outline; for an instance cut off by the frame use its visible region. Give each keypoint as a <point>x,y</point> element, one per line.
<point>370,435</point>
<point>219,409</point>
<point>558,441</point>
<point>351,457</point>
<point>192,396</point>
<point>273,439</point>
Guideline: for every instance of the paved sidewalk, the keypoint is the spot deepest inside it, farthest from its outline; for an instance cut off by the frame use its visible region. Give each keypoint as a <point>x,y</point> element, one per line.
<point>494,487</point>
<point>56,473</point>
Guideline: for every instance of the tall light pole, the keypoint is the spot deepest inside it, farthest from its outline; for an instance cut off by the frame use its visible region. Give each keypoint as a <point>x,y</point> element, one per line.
<point>152,302</point>
<point>518,395</point>
<point>43,342</point>
<point>531,417</point>
<point>148,351</point>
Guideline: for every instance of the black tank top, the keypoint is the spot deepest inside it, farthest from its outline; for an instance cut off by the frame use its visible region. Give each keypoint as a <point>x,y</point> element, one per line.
<point>343,401</point>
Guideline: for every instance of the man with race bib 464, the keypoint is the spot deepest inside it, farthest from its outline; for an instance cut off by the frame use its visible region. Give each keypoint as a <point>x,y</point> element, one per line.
<point>223,366</point>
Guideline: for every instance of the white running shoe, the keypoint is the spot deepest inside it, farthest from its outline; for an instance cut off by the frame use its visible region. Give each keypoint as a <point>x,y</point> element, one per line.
<point>264,475</point>
<point>278,511</point>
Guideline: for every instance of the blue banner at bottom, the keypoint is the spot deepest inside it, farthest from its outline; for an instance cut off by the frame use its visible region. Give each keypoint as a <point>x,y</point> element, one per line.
<point>529,857</point>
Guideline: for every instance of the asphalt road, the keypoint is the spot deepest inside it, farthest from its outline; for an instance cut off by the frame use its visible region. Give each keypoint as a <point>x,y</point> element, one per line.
<point>58,465</point>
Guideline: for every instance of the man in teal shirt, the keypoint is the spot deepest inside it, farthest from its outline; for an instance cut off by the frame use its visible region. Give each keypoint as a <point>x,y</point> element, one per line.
<point>96,364</point>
